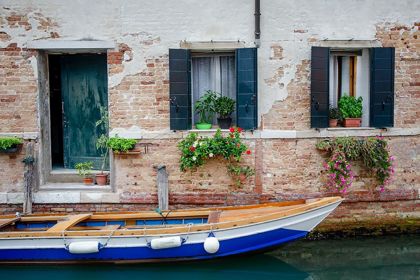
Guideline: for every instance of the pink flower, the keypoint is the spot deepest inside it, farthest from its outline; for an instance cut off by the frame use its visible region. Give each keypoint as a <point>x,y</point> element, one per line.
<point>223,135</point>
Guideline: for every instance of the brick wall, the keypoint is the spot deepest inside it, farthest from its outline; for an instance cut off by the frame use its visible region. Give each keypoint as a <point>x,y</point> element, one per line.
<point>18,90</point>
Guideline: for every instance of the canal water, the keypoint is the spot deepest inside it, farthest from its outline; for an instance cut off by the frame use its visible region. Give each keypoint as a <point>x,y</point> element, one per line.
<point>347,258</point>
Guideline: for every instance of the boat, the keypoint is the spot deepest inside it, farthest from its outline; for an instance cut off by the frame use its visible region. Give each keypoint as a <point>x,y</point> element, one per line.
<point>158,236</point>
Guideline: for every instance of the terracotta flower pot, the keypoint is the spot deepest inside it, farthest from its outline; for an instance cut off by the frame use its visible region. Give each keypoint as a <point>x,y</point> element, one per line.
<point>88,181</point>
<point>351,122</point>
<point>101,179</point>
<point>333,122</point>
<point>242,177</point>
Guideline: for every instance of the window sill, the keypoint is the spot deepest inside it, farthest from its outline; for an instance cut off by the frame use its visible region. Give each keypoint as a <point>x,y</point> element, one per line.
<point>351,128</point>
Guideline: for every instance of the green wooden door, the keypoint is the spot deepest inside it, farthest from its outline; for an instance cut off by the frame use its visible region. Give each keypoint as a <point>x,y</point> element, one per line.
<point>84,89</point>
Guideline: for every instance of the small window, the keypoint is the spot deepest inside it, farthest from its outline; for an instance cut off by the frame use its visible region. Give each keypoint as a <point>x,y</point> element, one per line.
<point>349,74</point>
<point>232,74</point>
<point>368,73</point>
<point>214,72</point>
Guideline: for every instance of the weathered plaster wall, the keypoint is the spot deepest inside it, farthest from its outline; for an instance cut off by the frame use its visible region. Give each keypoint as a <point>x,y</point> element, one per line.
<point>288,165</point>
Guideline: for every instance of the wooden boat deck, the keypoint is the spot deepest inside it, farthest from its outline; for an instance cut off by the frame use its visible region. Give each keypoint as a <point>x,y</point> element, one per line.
<point>221,217</point>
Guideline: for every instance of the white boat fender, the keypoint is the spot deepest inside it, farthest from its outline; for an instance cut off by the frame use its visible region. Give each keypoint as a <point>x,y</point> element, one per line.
<point>211,244</point>
<point>85,247</point>
<point>166,242</point>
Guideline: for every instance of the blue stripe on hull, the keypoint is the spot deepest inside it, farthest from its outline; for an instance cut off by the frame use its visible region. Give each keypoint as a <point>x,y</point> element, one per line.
<point>187,251</point>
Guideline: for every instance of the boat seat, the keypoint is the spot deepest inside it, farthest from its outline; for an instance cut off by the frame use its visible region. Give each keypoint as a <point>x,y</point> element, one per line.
<point>214,217</point>
<point>111,227</point>
<point>69,222</point>
<point>6,222</point>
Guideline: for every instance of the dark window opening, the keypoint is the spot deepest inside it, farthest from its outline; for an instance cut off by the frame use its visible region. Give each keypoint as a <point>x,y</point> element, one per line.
<point>56,111</point>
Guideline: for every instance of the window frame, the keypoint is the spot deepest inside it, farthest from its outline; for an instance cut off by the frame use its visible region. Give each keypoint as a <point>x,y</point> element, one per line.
<point>381,89</point>
<point>246,88</point>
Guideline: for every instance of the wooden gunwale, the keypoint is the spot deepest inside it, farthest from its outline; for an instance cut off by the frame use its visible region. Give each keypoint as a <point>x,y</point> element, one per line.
<point>182,229</point>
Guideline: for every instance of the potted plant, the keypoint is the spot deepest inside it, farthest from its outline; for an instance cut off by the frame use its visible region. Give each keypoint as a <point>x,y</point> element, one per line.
<point>102,178</point>
<point>85,169</point>
<point>205,108</point>
<point>121,145</point>
<point>239,173</point>
<point>335,115</point>
<point>9,145</point>
<point>323,145</point>
<point>351,110</point>
<point>224,106</point>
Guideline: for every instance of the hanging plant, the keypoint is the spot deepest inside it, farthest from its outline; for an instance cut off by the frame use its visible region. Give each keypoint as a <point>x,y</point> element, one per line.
<point>196,150</point>
<point>376,158</point>
<point>374,153</point>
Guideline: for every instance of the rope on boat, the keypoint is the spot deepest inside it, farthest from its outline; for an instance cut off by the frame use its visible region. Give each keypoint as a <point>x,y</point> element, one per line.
<point>109,237</point>
<point>64,238</point>
<point>189,229</point>
<point>145,238</point>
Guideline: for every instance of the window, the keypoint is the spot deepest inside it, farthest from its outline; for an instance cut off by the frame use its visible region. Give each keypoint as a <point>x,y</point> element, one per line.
<point>215,72</point>
<point>349,74</point>
<point>357,72</point>
<point>232,74</point>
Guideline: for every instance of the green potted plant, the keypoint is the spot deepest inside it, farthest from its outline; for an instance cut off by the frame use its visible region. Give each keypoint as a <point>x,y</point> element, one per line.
<point>351,110</point>
<point>224,106</point>
<point>121,145</point>
<point>85,169</point>
<point>205,108</point>
<point>240,173</point>
<point>102,178</point>
<point>323,145</point>
<point>9,145</point>
<point>335,115</point>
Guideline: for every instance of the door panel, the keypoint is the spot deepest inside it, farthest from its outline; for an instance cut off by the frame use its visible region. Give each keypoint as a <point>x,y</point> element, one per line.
<point>84,90</point>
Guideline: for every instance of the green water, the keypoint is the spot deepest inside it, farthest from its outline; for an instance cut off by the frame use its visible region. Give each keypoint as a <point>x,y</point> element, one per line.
<point>348,258</point>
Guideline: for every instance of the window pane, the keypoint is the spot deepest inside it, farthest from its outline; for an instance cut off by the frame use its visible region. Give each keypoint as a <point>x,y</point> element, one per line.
<point>216,73</point>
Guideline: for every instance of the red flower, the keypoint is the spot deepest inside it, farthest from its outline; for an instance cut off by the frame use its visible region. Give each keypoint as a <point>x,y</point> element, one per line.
<point>231,136</point>
<point>248,152</point>
<point>232,129</point>
<point>237,145</point>
<point>192,149</point>
<point>239,129</point>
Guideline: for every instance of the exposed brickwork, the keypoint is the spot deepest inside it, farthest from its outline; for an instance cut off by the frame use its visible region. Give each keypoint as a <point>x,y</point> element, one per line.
<point>293,113</point>
<point>141,100</point>
<point>137,179</point>
<point>406,41</point>
<point>18,89</point>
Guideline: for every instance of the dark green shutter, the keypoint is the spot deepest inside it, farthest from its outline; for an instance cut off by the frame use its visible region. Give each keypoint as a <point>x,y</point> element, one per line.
<point>382,61</point>
<point>320,90</point>
<point>180,89</point>
<point>246,88</point>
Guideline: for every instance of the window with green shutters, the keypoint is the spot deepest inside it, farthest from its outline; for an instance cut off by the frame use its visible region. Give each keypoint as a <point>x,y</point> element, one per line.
<point>232,74</point>
<point>365,72</point>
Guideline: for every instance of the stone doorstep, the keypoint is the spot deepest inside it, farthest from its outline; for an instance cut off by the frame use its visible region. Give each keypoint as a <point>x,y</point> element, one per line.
<point>66,193</point>
<point>68,176</point>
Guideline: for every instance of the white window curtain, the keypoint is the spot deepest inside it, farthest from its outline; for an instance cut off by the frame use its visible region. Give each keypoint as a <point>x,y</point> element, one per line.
<point>216,73</point>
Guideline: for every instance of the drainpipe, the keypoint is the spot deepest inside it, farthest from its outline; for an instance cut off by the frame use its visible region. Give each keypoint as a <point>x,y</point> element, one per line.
<point>257,23</point>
